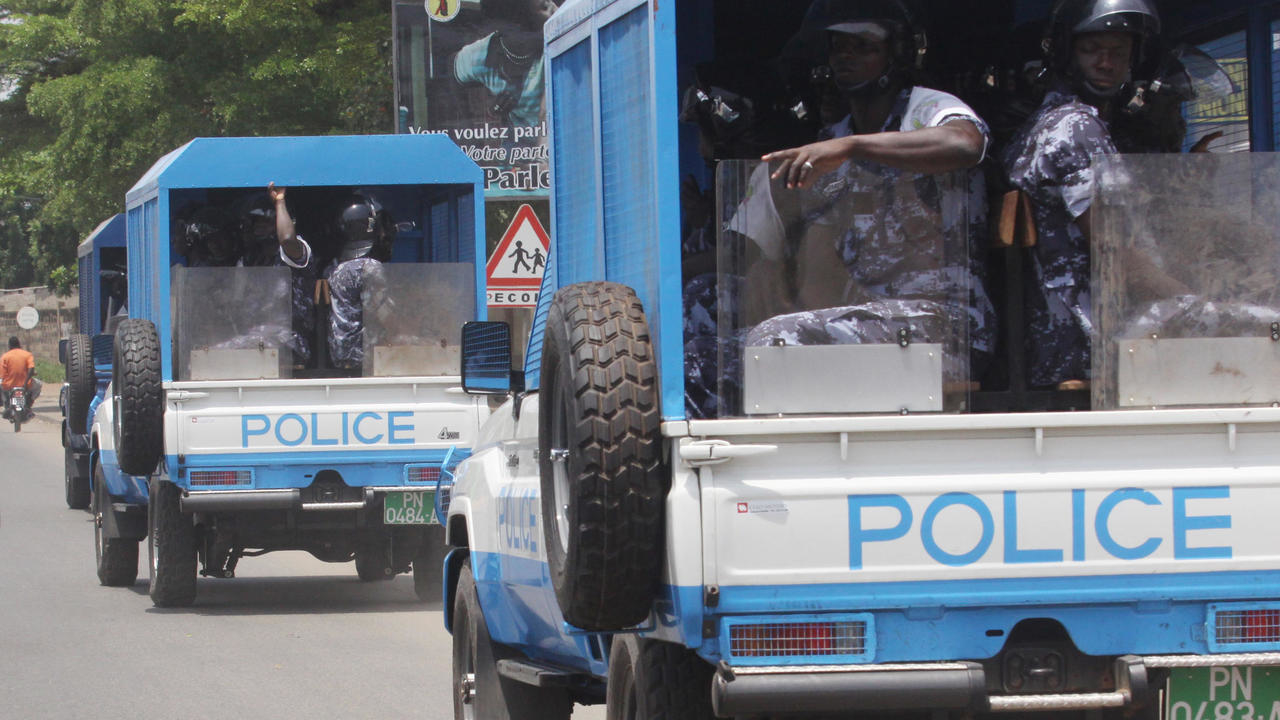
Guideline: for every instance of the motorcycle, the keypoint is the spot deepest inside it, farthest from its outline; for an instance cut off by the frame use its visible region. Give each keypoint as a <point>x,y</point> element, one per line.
<point>19,412</point>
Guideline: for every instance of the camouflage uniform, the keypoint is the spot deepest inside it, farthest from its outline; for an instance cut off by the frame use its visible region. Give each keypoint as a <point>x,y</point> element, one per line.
<point>349,281</point>
<point>1050,160</point>
<point>704,297</point>
<point>902,273</point>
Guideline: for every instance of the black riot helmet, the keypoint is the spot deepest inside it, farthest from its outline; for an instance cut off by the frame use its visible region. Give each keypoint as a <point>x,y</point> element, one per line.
<point>900,24</point>
<point>1071,18</point>
<point>362,226</point>
<point>210,236</point>
<point>259,221</point>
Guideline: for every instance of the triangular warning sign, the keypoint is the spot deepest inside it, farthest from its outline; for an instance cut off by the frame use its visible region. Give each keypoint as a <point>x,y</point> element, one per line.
<point>521,255</point>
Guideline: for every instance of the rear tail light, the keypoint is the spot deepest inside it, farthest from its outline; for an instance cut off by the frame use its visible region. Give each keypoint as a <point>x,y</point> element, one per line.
<point>812,640</point>
<point>1242,626</point>
<point>420,474</point>
<point>220,478</point>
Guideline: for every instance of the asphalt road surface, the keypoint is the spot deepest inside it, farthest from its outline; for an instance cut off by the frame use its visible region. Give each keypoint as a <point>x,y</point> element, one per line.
<point>289,637</point>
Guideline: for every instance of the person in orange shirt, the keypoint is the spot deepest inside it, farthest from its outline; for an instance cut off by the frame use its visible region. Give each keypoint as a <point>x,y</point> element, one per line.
<point>18,369</point>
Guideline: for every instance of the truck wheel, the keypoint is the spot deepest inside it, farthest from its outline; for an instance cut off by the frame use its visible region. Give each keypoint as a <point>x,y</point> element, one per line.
<point>77,484</point>
<point>479,692</point>
<point>117,557</point>
<point>80,382</point>
<point>171,546</point>
<point>600,456</point>
<point>654,679</point>
<point>371,565</point>
<point>428,565</point>
<point>139,397</point>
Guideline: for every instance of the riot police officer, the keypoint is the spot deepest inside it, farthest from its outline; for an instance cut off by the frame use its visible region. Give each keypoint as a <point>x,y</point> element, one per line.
<point>1092,48</point>
<point>365,231</point>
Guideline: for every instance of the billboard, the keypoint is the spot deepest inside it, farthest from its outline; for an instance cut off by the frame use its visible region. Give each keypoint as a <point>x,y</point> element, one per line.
<point>472,70</point>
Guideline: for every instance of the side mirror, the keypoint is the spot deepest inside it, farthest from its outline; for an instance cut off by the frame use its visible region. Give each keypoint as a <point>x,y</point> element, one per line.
<point>486,360</point>
<point>62,351</point>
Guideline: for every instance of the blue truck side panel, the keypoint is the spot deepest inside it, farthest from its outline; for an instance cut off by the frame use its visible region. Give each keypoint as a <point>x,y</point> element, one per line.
<point>615,196</point>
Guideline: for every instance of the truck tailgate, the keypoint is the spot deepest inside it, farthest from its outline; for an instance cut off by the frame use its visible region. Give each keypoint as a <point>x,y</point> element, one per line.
<point>977,510</point>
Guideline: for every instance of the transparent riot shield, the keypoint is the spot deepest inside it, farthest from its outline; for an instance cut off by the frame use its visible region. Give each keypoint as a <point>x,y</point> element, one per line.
<point>851,296</point>
<point>232,323</point>
<point>1185,278</point>
<point>413,316</point>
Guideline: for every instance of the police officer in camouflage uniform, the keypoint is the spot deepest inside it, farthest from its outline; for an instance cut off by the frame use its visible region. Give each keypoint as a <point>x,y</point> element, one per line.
<point>1092,46</point>
<point>269,239</point>
<point>366,237</point>
<point>894,144</point>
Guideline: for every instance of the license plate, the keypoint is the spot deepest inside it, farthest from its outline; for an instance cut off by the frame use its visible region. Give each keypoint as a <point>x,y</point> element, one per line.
<point>1224,693</point>
<point>417,507</point>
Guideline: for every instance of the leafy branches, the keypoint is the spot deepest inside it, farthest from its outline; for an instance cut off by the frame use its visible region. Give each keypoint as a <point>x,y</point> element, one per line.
<point>92,92</point>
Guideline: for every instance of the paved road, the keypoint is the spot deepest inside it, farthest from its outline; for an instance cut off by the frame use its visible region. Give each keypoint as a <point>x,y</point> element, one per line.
<point>290,637</point>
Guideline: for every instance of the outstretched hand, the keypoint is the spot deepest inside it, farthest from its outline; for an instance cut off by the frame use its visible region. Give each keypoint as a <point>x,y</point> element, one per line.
<point>800,166</point>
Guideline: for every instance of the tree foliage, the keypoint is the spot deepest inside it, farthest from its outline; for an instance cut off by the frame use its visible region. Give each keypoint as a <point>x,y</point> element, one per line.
<point>92,92</point>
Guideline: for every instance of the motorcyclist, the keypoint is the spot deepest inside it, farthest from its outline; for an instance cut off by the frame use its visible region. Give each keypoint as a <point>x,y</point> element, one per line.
<point>18,369</point>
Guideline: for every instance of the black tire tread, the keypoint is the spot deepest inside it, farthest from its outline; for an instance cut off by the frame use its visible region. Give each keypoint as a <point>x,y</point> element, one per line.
<point>81,383</point>
<point>76,484</point>
<point>138,384</point>
<point>371,566</point>
<point>670,681</point>
<point>619,481</point>
<point>497,697</point>
<point>173,543</point>
<point>117,557</point>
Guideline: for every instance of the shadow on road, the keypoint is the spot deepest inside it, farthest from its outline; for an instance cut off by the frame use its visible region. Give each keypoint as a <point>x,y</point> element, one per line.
<point>298,596</point>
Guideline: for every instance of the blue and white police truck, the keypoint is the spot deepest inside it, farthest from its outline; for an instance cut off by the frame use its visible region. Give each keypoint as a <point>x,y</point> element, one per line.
<point>680,514</point>
<point>100,269</point>
<point>235,425</point>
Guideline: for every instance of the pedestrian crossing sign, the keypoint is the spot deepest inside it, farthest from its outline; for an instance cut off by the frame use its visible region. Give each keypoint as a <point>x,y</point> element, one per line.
<point>514,271</point>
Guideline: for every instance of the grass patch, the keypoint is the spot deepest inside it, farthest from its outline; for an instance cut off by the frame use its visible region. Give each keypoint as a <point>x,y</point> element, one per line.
<point>50,371</point>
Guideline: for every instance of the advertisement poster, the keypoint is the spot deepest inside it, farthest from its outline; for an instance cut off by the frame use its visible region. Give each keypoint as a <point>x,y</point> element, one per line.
<point>473,70</point>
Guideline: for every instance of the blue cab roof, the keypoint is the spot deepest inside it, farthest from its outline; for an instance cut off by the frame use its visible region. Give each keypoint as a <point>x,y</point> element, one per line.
<point>306,161</point>
<point>109,233</point>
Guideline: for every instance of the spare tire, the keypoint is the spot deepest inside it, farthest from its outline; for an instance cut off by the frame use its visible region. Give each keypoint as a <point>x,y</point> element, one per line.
<point>603,481</point>
<point>138,394</point>
<point>80,382</point>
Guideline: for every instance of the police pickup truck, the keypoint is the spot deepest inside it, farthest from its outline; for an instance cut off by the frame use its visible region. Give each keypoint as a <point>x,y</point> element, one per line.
<point>243,415</point>
<point>862,527</point>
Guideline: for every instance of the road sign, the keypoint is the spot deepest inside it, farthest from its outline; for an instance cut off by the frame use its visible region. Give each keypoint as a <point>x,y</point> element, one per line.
<point>28,317</point>
<point>442,10</point>
<point>514,271</point>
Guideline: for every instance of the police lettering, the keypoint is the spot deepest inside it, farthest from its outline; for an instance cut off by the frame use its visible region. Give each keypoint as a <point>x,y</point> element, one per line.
<point>325,430</point>
<point>1191,509</point>
<point>518,519</point>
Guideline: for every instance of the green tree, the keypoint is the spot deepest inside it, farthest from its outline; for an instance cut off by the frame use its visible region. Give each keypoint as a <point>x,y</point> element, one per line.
<point>93,92</point>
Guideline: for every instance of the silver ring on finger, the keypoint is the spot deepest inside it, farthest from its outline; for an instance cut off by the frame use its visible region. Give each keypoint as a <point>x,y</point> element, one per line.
<point>807,165</point>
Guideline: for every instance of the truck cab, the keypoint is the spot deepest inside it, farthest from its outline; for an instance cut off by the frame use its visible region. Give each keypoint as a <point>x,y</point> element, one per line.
<point>236,424</point>
<point>874,525</point>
